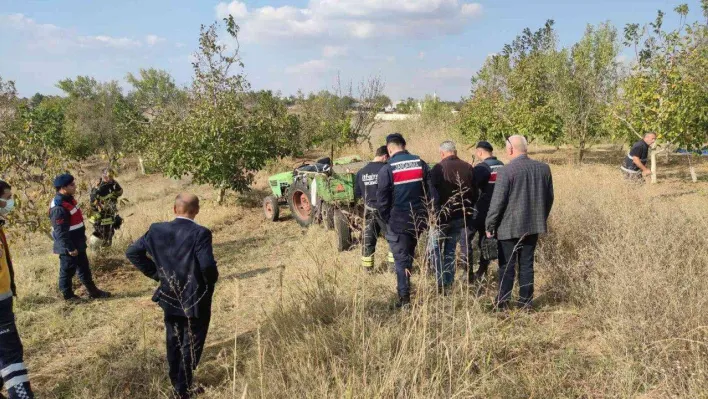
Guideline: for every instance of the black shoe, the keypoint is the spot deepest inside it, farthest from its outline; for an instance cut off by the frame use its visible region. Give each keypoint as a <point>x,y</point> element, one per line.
<point>404,303</point>
<point>71,297</point>
<point>501,306</point>
<point>98,294</point>
<point>444,290</point>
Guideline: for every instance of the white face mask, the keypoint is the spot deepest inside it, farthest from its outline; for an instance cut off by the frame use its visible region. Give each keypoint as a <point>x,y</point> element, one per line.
<point>9,206</point>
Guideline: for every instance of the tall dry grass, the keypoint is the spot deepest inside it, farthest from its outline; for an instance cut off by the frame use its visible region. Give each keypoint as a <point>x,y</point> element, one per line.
<point>621,299</point>
<point>621,312</point>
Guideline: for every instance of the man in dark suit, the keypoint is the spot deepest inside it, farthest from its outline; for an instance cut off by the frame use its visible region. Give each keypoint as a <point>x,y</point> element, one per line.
<point>518,213</point>
<point>181,259</point>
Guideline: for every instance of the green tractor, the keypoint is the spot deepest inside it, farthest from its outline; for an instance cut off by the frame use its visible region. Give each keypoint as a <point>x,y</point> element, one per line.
<point>320,192</point>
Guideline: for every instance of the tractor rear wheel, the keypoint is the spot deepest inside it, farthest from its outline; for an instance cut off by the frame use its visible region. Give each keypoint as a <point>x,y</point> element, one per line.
<point>270,208</point>
<point>342,230</point>
<point>300,205</point>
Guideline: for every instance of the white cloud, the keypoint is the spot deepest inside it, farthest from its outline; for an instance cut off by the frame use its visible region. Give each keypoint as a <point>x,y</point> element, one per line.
<point>334,51</point>
<point>472,9</point>
<point>53,38</point>
<point>152,40</point>
<point>108,41</point>
<point>449,74</point>
<point>344,19</point>
<point>309,67</point>
<point>237,9</point>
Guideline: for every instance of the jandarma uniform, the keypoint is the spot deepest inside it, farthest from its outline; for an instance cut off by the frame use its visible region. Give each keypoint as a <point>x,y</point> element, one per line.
<point>69,235</point>
<point>404,189</point>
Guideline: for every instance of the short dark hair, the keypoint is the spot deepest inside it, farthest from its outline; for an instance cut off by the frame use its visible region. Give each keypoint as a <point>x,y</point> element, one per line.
<point>4,186</point>
<point>381,151</point>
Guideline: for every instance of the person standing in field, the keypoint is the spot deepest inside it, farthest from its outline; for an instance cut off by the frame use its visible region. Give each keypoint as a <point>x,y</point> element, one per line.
<point>104,204</point>
<point>179,255</point>
<point>518,213</point>
<point>486,176</point>
<point>366,186</point>
<point>635,163</point>
<point>69,236</point>
<point>455,184</point>
<point>402,199</point>
<point>12,367</point>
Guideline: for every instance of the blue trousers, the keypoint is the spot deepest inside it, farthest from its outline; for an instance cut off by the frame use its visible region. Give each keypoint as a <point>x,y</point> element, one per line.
<point>70,265</point>
<point>445,269</point>
<point>402,246</point>
<point>12,367</point>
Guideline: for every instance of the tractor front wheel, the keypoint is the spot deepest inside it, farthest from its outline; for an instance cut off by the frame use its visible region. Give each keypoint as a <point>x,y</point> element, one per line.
<point>270,208</point>
<point>300,206</point>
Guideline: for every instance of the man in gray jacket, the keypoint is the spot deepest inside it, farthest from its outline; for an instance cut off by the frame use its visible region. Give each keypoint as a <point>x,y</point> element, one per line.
<point>520,205</point>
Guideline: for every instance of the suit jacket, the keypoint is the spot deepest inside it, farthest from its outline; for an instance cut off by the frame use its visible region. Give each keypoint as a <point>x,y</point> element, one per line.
<point>522,199</point>
<point>182,260</point>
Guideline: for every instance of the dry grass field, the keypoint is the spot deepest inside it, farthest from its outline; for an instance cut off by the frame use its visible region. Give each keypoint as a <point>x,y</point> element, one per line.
<point>622,293</point>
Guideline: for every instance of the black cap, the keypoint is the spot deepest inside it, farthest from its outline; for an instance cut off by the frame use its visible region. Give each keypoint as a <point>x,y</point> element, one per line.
<point>485,145</point>
<point>63,180</point>
<point>395,138</point>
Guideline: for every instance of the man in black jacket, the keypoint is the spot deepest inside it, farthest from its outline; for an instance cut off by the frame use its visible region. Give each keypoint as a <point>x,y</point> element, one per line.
<point>181,259</point>
<point>69,236</point>
<point>367,182</point>
<point>455,184</point>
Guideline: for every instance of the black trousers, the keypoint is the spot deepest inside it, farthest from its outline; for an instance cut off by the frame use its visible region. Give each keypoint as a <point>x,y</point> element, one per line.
<point>374,226</point>
<point>511,252</point>
<point>12,367</point>
<point>466,249</point>
<point>70,265</point>
<point>185,342</point>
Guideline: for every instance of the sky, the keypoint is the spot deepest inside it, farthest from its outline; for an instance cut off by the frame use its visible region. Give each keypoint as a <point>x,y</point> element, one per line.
<point>417,47</point>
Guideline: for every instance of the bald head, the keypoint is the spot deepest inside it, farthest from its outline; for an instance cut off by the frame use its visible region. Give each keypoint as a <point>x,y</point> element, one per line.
<point>516,145</point>
<point>186,205</point>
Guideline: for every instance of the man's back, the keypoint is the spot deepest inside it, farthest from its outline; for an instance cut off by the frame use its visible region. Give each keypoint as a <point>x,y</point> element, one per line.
<point>183,261</point>
<point>522,199</point>
<point>367,182</point>
<point>454,181</point>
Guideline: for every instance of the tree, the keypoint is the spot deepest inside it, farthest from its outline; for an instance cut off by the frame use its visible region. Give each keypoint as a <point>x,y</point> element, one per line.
<point>98,118</point>
<point>154,90</point>
<point>666,91</point>
<point>227,134</point>
<point>511,94</point>
<point>584,85</point>
<point>28,161</point>
<point>335,119</point>
<point>408,106</point>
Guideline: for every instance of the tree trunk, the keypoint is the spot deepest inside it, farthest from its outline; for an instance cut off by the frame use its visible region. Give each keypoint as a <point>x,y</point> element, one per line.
<point>581,152</point>
<point>141,164</point>
<point>653,164</point>
<point>222,193</point>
